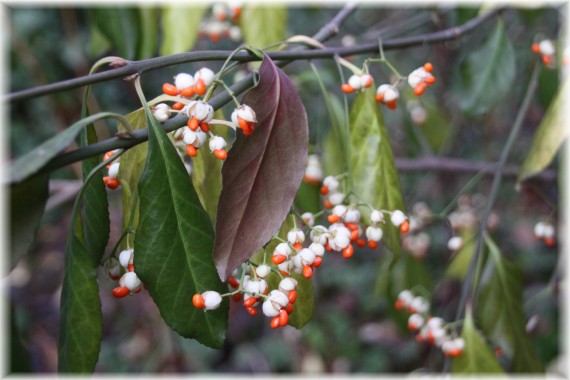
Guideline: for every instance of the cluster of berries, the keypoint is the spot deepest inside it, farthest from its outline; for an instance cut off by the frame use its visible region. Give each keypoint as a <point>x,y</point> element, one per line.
<point>129,283</point>
<point>431,330</point>
<point>253,289</point>
<point>200,113</point>
<point>546,50</point>
<point>111,180</point>
<point>313,170</point>
<point>388,94</point>
<point>417,242</point>
<point>545,231</point>
<point>223,22</point>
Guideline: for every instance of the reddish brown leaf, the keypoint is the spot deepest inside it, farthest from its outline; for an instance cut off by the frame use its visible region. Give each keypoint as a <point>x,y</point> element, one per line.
<point>262,172</point>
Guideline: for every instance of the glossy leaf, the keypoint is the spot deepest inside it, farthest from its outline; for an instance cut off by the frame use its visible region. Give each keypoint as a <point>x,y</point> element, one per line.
<point>27,203</point>
<point>80,326</point>
<point>31,162</point>
<point>120,25</point>
<point>207,175</point>
<point>548,138</point>
<point>254,21</point>
<point>262,172</point>
<point>173,244</point>
<point>487,73</point>
<point>180,27</point>
<point>374,175</point>
<point>501,311</point>
<point>148,39</point>
<point>477,358</point>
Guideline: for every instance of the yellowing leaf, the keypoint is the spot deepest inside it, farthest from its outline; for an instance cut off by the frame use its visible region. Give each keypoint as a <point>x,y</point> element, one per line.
<point>180,27</point>
<point>550,135</point>
<point>263,24</point>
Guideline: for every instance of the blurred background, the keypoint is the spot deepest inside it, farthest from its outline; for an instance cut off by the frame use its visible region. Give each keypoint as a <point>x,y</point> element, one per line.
<point>355,328</point>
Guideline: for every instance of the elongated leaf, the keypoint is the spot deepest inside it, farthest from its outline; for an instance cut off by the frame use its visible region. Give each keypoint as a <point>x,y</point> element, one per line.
<point>262,172</point>
<point>173,244</point>
<point>120,26</point>
<point>487,73</point>
<point>148,39</point>
<point>374,175</point>
<point>96,214</point>
<point>80,326</point>
<point>263,24</point>
<point>27,203</point>
<point>501,312</point>
<point>30,163</point>
<point>477,358</point>
<point>207,175</point>
<point>549,136</point>
<point>460,262</point>
<point>130,170</point>
<point>180,26</point>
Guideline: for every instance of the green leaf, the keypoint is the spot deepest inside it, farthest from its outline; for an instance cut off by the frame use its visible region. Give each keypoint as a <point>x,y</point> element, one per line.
<point>148,39</point>
<point>180,27</point>
<point>501,311</point>
<point>96,213</point>
<point>130,170</point>
<point>80,325</point>
<point>477,358</point>
<point>437,126</point>
<point>31,162</point>
<point>548,138</point>
<point>263,24</point>
<point>173,244</point>
<point>308,198</point>
<point>374,175</point>
<point>487,73</point>
<point>98,43</point>
<point>207,175</point>
<point>27,203</point>
<point>255,200</point>
<point>120,26</point>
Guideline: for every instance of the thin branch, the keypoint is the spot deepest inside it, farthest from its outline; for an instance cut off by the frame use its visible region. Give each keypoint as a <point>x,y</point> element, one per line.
<point>139,67</point>
<point>467,291</point>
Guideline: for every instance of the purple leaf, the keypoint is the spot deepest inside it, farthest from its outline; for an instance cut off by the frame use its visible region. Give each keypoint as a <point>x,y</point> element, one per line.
<point>263,171</point>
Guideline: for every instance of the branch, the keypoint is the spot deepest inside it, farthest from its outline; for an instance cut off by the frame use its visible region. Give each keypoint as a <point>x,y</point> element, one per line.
<point>139,67</point>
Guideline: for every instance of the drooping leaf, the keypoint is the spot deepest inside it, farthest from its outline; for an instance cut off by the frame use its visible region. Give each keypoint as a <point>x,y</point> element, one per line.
<point>130,170</point>
<point>263,24</point>
<point>501,311</point>
<point>374,175</point>
<point>27,203</point>
<point>173,244</point>
<point>207,175</point>
<point>487,73</point>
<point>548,138</point>
<point>120,25</point>
<point>477,358</point>
<point>80,326</point>
<point>148,39</point>
<point>262,172</point>
<point>31,162</point>
<point>96,223</point>
<point>180,27</point>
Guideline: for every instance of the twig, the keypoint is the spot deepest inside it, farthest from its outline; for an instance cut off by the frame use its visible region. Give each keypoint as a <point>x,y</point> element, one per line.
<point>139,67</point>
<point>467,293</point>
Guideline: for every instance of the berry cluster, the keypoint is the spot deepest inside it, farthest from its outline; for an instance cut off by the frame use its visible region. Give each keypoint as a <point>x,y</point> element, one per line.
<point>388,94</point>
<point>111,180</point>
<point>223,22</point>
<point>313,171</point>
<point>129,283</point>
<point>546,50</point>
<point>545,231</point>
<point>431,330</point>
